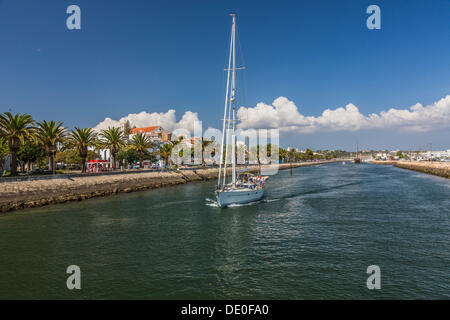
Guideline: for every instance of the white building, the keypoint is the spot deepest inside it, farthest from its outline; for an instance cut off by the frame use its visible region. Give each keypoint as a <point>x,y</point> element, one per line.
<point>437,155</point>
<point>382,156</point>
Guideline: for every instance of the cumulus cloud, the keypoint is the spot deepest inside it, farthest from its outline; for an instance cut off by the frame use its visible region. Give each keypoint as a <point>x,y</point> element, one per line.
<point>284,115</point>
<point>167,120</point>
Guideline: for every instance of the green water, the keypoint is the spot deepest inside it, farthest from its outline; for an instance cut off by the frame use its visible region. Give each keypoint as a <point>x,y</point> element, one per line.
<point>312,237</point>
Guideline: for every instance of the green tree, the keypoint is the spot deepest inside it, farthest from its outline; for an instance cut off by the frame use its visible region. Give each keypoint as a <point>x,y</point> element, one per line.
<point>112,139</point>
<point>16,129</point>
<point>177,150</point>
<point>49,134</point>
<point>126,156</point>
<point>165,151</point>
<point>269,150</point>
<point>282,154</point>
<point>4,151</point>
<point>82,139</point>
<point>205,144</point>
<point>254,152</point>
<point>127,128</point>
<point>309,154</point>
<point>30,152</point>
<point>61,156</point>
<point>141,143</point>
<point>72,156</point>
<point>400,154</point>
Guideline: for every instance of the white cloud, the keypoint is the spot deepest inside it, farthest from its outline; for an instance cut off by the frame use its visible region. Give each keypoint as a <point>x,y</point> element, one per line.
<point>166,120</point>
<point>284,114</point>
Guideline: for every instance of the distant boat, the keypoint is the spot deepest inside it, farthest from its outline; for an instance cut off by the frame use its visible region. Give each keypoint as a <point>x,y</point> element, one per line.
<point>344,163</point>
<point>357,158</point>
<point>247,187</point>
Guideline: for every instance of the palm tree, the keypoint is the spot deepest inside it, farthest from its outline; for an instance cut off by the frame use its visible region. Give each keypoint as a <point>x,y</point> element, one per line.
<point>82,139</point>
<point>127,128</point>
<point>292,155</point>
<point>141,143</point>
<point>254,152</point>
<point>4,151</point>
<point>282,154</point>
<point>205,143</point>
<point>112,138</point>
<point>177,141</point>
<point>16,129</point>
<point>165,151</point>
<point>49,134</point>
<point>175,144</point>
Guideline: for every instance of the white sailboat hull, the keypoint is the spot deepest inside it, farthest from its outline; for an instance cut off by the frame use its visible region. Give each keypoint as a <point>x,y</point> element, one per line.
<point>226,198</point>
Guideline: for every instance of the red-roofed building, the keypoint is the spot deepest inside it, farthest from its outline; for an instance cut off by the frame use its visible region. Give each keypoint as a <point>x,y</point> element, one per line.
<point>144,130</point>
<point>156,133</point>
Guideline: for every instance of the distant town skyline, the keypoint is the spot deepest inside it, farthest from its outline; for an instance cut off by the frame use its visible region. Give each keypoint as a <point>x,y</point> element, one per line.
<point>313,68</point>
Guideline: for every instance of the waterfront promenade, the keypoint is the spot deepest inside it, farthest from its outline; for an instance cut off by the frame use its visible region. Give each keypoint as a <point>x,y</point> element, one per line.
<point>40,191</point>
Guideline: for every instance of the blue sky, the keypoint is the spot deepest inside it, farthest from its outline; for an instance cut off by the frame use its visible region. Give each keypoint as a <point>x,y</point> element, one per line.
<point>133,56</point>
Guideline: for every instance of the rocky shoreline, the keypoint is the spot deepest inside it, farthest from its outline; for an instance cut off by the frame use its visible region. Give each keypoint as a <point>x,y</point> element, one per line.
<point>16,195</point>
<point>441,169</point>
<point>386,162</point>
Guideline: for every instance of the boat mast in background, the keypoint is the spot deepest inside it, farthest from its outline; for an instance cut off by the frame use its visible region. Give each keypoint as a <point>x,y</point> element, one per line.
<point>357,158</point>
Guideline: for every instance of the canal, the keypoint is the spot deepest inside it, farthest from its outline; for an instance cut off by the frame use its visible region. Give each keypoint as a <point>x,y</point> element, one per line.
<point>312,237</point>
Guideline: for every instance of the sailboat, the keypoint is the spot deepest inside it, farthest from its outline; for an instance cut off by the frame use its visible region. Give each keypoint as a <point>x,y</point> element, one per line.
<point>247,187</point>
<point>357,158</point>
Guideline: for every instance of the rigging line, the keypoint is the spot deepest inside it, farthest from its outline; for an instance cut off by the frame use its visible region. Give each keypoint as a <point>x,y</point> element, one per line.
<point>239,68</point>
<point>243,75</point>
<point>224,121</point>
<point>224,73</point>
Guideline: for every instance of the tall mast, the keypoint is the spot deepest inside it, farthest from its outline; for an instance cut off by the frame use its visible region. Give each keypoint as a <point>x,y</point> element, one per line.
<point>227,139</point>
<point>225,118</point>
<point>231,109</point>
<point>233,101</point>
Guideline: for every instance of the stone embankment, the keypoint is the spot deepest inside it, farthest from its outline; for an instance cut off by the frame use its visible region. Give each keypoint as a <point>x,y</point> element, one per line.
<point>441,169</point>
<point>39,191</point>
<point>387,162</point>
